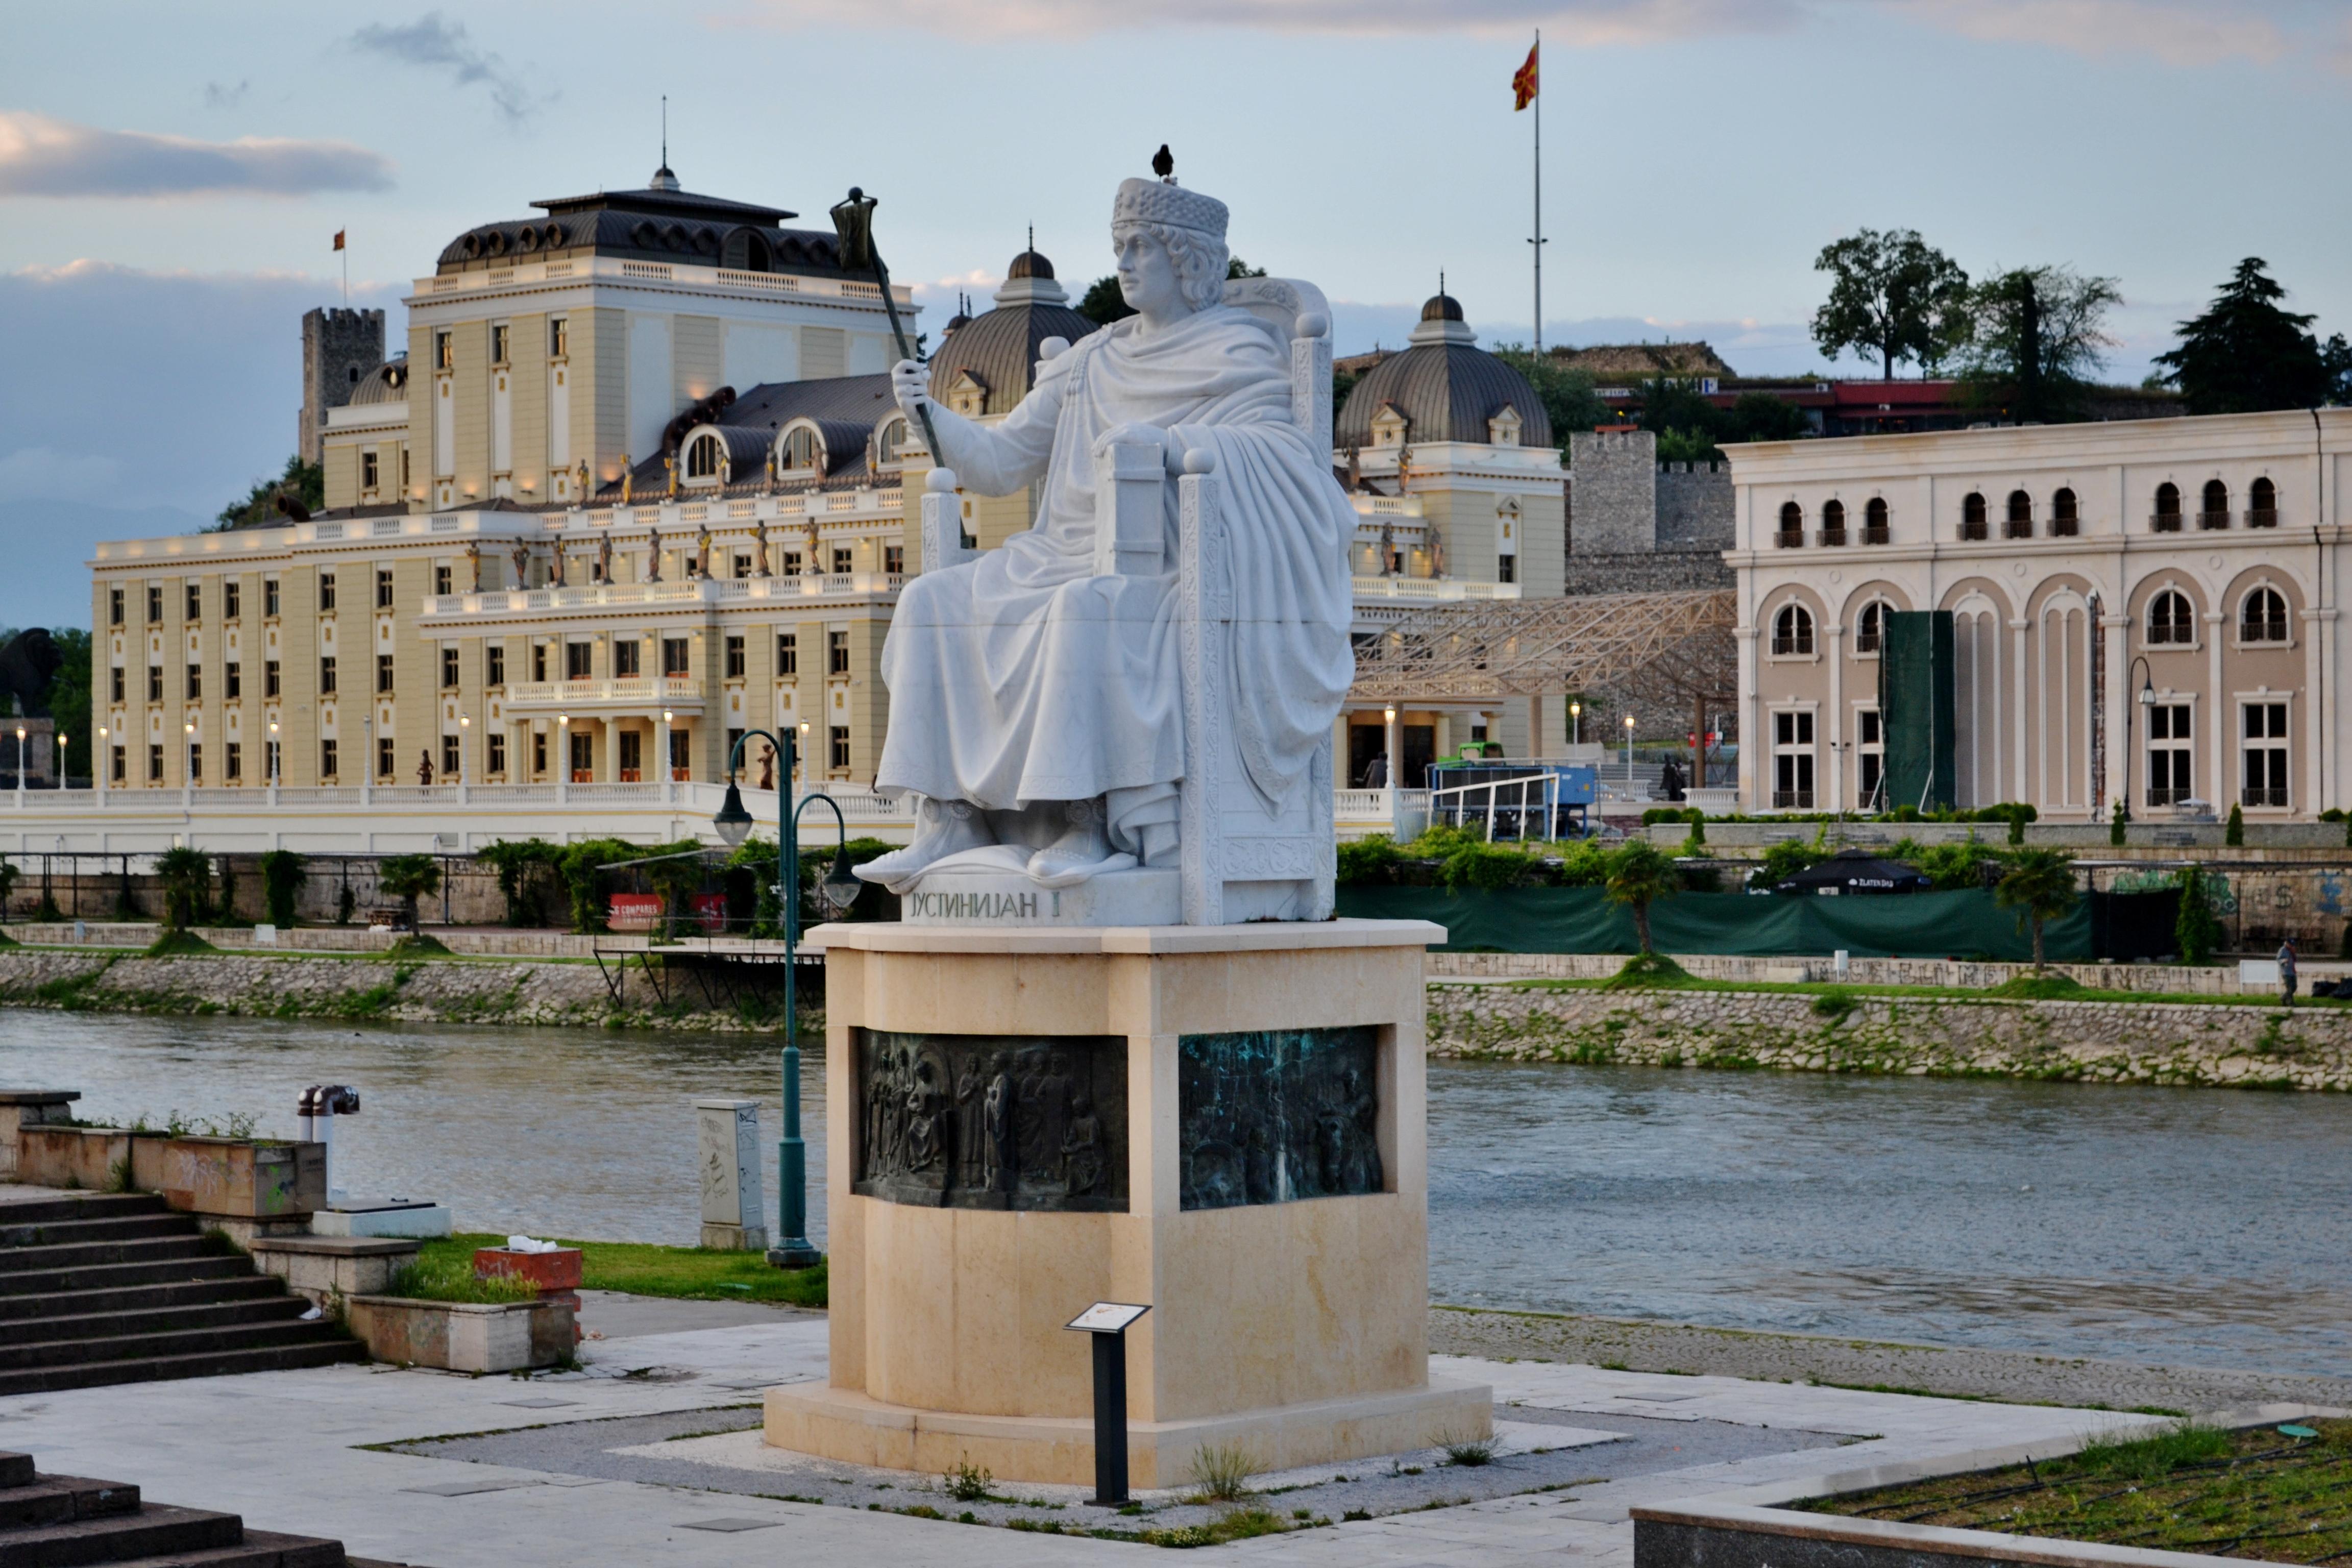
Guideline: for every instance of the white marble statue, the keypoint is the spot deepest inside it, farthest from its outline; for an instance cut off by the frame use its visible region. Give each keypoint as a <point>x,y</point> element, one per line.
<point>1035,702</point>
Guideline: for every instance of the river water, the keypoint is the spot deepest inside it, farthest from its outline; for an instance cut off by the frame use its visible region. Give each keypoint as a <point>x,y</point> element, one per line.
<point>2190,1226</point>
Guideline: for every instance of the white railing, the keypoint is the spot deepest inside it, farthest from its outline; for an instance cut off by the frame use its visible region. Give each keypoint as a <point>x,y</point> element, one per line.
<point>710,590</point>
<point>1432,588</point>
<point>1360,804</point>
<point>1504,803</point>
<point>1386,506</point>
<point>647,689</point>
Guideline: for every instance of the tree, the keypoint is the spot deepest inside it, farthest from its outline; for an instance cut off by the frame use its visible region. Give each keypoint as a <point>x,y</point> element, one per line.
<point>1893,295</point>
<point>526,872</point>
<point>2246,354</point>
<point>2335,358</point>
<point>408,878</point>
<point>282,876</point>
<point>1690,429</point>
<point>9,872</point>
<point>303,484</point>
<point>2036,337</point>
<point>2040,886</point>
<point>1570,399</point>
<point>69,698</point>
<point>1639,875</point>
<point>2233,831</point>
<point>2196,930</point>
<point>186,874</point>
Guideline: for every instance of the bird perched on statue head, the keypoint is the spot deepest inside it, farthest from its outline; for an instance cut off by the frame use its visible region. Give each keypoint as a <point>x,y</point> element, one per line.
<point>1163,164</point>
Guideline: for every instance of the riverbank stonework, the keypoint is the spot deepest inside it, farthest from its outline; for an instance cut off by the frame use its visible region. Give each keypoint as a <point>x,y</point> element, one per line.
<point>402,990</point>
<point>2186,1044</point>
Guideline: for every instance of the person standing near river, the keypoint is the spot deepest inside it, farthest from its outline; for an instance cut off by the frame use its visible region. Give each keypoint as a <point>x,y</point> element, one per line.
<point>2286,972</point>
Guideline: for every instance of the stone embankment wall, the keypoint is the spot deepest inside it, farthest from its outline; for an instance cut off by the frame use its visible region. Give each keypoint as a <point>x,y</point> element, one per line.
<point>410,991</point>
<point>1967,974</point>
<point>2104,1042</point>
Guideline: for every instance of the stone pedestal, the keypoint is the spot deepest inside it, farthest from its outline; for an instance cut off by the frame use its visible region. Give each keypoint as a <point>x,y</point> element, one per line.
<point>1225,1122</point>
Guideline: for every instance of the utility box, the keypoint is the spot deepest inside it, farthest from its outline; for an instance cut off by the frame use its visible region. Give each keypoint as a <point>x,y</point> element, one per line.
<point>733,1216</point>
<point>1916,711</point>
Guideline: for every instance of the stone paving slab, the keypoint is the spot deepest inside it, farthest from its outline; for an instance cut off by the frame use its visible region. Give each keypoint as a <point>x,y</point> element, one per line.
<point>2015,1376</point>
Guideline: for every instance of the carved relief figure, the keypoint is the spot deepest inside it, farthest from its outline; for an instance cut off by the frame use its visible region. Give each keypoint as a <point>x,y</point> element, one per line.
<point>981,1121</point>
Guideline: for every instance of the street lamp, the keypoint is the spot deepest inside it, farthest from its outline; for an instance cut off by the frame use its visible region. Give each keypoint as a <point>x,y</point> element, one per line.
<point>464,732</point>
<point>65,771</point>
<point>273,754</point>
<point>835,892</point>
<point>2147,700</point>
<point>1629,754</point>
<point>20,759</point>
<point>188,756</point>
<point>1576,721</point>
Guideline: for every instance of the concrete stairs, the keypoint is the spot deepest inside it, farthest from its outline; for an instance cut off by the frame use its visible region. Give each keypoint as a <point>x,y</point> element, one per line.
<point>119,1288</point>
<point>65,1521</point>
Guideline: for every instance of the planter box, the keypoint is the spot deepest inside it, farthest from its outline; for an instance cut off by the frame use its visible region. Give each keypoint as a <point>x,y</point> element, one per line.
<point>234,1176</point>
<point>89,1158</point>
<point>463,1336</point>
<point>22,1108</point>
<point>333,1267</point>
<point>557,1270</point>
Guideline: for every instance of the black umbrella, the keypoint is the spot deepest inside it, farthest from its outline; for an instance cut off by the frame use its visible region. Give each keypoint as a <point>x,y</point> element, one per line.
<point>1856,871</point>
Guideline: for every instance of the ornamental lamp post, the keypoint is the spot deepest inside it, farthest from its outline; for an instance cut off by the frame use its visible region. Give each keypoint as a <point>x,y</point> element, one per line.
<point>273,754</point>
<point>1629,754</point>
<point>65,771</point>
<point>1576,722</point>
<point>464,731</point>
<point>20,762</point>
<point>2147,700</point>
<point>835,892</point>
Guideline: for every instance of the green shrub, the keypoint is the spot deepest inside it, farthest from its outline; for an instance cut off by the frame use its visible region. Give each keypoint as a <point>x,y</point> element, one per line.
<point>1369,859</point>
<point>176,943</point>
<point>1647,971</point>
<point>1784,860</point>
<point>1584,864</point>
<point>449,1279</point>
<point>186,874</point>
<point>581,885</point>
<point>1956,868</point>
<point>282,876</point>
<point>408,878</point>
<point>528,872</point>
<point>2116,822</point>
<point>2196,929</point>
<point>2234,833</point>
<point>1697,839</point>
<point>1222,1471</point>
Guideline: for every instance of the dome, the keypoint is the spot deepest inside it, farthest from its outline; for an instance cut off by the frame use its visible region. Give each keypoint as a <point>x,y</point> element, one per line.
<point>1441,308</point>
<point>663,180</point>
<point>999,347</point>
<point>1446,387</point>
<point>1029,264</point>
<point>387,382</point>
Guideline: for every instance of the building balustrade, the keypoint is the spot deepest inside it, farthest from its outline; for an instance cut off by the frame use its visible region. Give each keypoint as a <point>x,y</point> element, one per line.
<point>692,591</point>
<point>1433,588</point>
<point>633,690</point>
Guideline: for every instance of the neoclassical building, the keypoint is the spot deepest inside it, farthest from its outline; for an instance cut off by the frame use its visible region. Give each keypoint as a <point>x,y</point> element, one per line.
<point>2142,611</point>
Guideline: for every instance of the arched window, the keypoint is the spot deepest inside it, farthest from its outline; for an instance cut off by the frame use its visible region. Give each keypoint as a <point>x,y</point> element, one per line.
<point>1792,526</point>
<point>1873,521</point>
<point>1972,516</point>
<point>1833,522</point>
<point>2170,620</point>
<point>2263,616</point>
<point>702,457</point>
<point>2018,521</point>
<point>2168,509</point>
<point>2215,511</point>
<point>799,451</point>
<point>1792,630</point>
<point>1870,626</point>
<point>2261,504</point>
<point>2066,515</point>
<point>891,442</point>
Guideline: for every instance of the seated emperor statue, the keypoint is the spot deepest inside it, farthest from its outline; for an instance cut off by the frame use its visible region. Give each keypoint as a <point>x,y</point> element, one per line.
<point>1036,705</point>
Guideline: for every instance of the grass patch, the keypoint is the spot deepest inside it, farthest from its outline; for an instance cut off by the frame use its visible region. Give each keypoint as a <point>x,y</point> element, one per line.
<point>2259,1493</point>
<point>1221,1472</point>
<point>416,945</point>
<point>688,1273</point>
<point>1233,1525</point>
<point>452,1280</point>
<point>179,943</point>
<point>2041,988</point>
<point>1656,972</point>
<point>1817,988</point>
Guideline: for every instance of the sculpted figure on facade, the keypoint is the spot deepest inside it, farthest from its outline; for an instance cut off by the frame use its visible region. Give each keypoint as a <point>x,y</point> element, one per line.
<point>604,559</point>
<point>474,560</point>
<point>759,547</point>
<point>521,555</point>
<point>1036,702</point>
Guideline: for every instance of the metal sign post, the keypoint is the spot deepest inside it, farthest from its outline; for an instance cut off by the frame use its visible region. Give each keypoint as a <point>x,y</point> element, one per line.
<point>1108,1322</point>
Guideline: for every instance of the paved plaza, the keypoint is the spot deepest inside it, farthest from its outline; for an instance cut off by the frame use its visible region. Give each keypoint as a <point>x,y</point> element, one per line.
<point>648,1456</point>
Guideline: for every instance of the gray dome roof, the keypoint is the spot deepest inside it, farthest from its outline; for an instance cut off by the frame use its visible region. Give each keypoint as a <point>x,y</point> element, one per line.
<point>387,382</point>
<point>1441,308</point>
<point>999,347</point>
<point>1446,392</point>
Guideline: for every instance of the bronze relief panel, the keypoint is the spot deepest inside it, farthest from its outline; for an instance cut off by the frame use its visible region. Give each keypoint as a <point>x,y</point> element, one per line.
<point>992,1121</point>
<point>1271,1116</point>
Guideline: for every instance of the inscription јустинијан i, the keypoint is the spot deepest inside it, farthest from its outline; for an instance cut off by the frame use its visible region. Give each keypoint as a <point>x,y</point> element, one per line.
<point>993,1121</point>
<point>1270,1116</point>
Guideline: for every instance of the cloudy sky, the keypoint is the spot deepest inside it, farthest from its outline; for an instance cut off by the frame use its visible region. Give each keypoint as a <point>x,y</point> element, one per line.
<point>170,175</point>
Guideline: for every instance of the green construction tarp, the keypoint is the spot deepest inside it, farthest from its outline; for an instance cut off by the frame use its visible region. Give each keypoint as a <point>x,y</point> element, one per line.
<point>1583,920</point>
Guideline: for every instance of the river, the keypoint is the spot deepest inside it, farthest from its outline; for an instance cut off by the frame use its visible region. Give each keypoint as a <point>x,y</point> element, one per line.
<point>2204,1227</point>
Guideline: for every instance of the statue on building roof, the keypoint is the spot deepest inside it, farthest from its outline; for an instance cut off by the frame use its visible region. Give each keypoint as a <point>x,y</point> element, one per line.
<point>669,467</point>
<point>760,547</point>
<point>604,559</point>
<point>521,553</point>
<point>628,479</point>
<point>560,561</point>
<point>474,560</point>
<point>579,484</point>
<point>653,556</point>
<point>702,551</point>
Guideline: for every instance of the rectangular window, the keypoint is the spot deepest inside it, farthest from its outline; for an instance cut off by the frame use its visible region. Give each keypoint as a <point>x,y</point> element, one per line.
<point>734,659</point>
<point>559,338</point>
<point>498,343</point>
<point>539,661</point>
<point>743,566</point>
<point>232,680</point>
<point>382,588</point>
<point>538,750</point>
<point>326,591</point>
<point>792,565</point>
<point>627,657</point>
<point>448,669</point>
<point>841,560</point>
<point>442,579</point>
<point>271,683</point>
<point>387,757</point>
<point>271,759</point>
<point>2170,754</point>
<point>232,762</point>
<point>494,754</point>
<point>327,768</point>
<point>232,599</point>
<point>327,674</point>
<point>371,468</point>
<point>196,762</point>
<point>156,764</point>
<point>154,603</point>
<point>632,756</point>
<point>195,682</point>
<point>578,659</point>
<point>841,745</point>
<point>196,594</point>
<point>2264,729</point>
<point>269,595</point>
<point>384,672</point>
<point>116,763</point>
<point>681,754</point>
<point>675,657</point>
<point>450,760</point>
<point>114,606</point>
<point>494,658</point>
<point>1506,569</point>
<point>788,653</point>
<point>583,757</point>
<point>1869,758</point>
<point>836,653</point>
<point>1792,761</point>
<point>118,683</point>
<point>154,683</point>
<point>894,560</point>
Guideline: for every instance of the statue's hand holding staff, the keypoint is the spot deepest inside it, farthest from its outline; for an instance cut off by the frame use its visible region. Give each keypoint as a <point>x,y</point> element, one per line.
<point>910,383</point>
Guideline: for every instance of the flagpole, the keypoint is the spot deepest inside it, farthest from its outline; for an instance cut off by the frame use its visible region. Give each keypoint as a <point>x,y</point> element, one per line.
<point>1538,239</point>
<point>347,268</point>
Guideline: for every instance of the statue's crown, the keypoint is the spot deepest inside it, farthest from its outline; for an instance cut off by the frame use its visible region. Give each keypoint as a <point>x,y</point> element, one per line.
<point>1157,201</point>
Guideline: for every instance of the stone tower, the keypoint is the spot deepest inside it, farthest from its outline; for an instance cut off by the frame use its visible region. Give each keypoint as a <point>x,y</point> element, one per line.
<point>338,346</point>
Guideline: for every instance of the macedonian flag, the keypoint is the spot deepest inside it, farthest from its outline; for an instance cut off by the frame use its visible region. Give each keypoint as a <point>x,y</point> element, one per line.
<point>1523,80</point>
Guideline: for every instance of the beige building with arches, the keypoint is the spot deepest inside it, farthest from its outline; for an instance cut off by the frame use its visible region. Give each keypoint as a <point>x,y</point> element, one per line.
<point>2143,611</point>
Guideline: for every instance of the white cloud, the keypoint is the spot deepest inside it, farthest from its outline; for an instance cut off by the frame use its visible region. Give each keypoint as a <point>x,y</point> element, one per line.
<point>434,42</point>
<point>2178,34</point>
<point>41,473</point>
<point>43,157</point>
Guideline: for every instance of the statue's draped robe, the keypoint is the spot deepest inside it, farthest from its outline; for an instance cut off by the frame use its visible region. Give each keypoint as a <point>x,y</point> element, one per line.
<point>1022,676</point>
